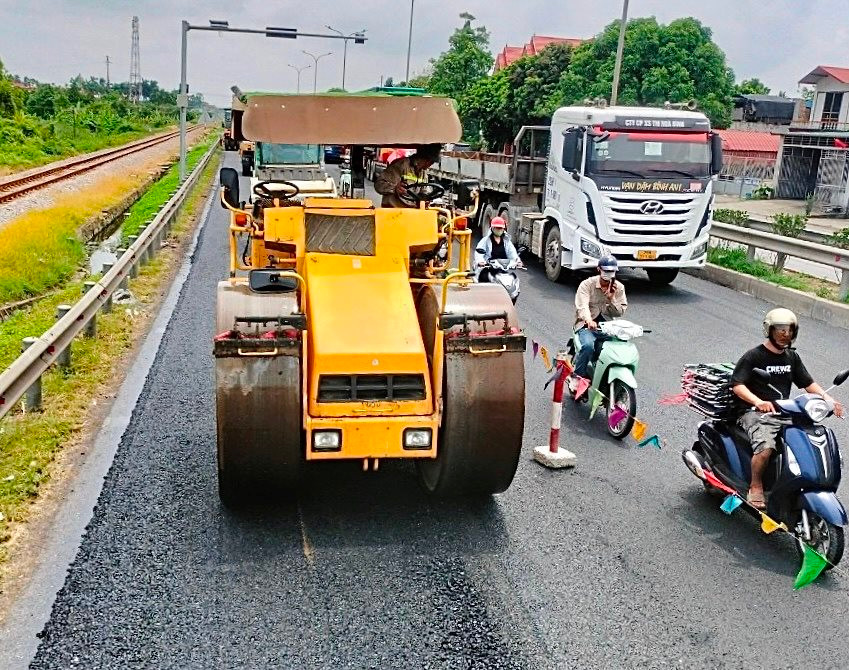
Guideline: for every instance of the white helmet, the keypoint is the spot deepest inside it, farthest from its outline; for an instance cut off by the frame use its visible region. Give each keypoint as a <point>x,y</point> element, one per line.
<point>781,317</point>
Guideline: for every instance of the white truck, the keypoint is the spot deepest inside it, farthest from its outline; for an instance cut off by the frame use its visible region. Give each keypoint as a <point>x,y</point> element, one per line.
<point>635,182</point>
<point>300,164</point>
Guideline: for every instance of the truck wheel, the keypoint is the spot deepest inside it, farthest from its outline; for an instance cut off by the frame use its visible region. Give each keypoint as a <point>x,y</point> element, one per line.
<point>487,215</point>
<point>553,253</point>
<point>480,439</point>
<point>662,276</point>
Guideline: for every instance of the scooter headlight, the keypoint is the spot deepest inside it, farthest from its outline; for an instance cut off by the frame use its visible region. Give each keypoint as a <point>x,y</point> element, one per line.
<point>817,409</point>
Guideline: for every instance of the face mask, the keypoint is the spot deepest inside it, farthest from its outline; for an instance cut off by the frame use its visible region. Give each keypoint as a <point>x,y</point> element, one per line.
<point>498,232</point>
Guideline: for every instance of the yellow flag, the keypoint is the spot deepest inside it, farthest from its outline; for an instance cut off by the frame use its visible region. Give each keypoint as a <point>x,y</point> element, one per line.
<point>770,525</point>
<point>545,358</point>
<point>638,432</point>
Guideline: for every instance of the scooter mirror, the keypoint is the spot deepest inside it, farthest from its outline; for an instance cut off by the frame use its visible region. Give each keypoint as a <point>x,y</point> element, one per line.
<point>762,374</point>
<point>841,377</point>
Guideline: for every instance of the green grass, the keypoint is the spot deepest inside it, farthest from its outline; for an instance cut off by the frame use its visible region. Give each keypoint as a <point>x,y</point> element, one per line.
<point>157,195</point>
<point>39,250</point>
<point>735,259</point>
<point>30,442</point>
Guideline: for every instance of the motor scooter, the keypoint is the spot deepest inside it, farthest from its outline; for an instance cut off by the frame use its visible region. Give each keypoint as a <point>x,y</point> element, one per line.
<point>800,483</point>
<point>612,370</point>
<point>498,271</point>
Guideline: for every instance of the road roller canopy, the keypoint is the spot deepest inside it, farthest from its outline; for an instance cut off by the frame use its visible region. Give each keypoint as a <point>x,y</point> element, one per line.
<point>366,119</point>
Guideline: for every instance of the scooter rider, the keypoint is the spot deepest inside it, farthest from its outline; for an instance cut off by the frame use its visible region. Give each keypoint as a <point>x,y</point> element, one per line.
<point>496,245</point>
<point>756,415</point>
<point>597,299</point>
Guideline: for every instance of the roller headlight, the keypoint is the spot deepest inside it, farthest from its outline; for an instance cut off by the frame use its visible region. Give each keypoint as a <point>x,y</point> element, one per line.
<point>327,440</point>
<point>417,438</point>
<point>817,409</point>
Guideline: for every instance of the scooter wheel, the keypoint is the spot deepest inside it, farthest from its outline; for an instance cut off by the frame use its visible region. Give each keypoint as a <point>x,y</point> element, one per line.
<point>626,398</point>
<point>826,538</point>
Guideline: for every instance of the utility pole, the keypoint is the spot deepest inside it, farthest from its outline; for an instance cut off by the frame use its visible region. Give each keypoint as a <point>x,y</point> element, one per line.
<point>135,64</point>
<point>107,71</point>
<point>617,68</point>
<point>298,69</point>
<point>315,71</point>
<point>410,40</point>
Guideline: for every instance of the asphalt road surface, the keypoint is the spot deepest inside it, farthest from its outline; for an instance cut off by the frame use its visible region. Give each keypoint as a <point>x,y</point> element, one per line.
<point>621,563</point>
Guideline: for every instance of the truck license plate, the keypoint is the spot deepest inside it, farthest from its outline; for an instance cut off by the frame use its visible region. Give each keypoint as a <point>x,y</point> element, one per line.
<point>646,255</point>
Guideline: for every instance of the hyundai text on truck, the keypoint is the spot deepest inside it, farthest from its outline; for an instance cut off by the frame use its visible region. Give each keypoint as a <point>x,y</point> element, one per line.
<point>635,182</point>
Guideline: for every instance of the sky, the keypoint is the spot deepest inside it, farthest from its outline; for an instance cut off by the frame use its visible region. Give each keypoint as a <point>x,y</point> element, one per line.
<point>778,41</point>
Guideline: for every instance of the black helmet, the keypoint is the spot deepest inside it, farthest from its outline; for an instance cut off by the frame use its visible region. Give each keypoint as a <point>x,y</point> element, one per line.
<point>608,264</point>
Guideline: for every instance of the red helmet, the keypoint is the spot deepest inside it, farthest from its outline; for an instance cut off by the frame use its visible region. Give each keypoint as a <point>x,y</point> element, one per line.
<point>497,222</point>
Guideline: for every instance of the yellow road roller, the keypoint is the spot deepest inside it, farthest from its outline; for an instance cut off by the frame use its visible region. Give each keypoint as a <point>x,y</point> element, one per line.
<point>351,331</point>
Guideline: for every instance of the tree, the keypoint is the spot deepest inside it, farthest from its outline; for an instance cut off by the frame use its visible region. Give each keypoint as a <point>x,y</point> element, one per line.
<point>482,110</point>
<point>531,96</point>
<point>467,60</point>
<point>753,86</point>
<point>8,105</point>
<point>675,62</point>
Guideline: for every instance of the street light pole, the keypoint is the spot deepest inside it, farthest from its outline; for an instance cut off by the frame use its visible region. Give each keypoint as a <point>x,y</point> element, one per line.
<point>182,99</point>
<point>410,40</point>
<point>617,68</point>
<point>298,69</point>
<point>315,72</point>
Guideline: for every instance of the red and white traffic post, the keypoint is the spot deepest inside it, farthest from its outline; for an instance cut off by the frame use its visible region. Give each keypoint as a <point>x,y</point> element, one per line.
<point>552,455</point>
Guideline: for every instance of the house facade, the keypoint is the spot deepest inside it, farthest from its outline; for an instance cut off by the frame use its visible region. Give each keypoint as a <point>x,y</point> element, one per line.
<point>813,159</point>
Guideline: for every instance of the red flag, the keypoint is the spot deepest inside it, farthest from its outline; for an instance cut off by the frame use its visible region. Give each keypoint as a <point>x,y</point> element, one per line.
<point>716,483</point>
<point>840,144</point>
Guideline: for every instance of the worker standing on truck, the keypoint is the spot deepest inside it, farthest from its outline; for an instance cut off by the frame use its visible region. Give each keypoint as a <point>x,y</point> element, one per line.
<point>413,169</point>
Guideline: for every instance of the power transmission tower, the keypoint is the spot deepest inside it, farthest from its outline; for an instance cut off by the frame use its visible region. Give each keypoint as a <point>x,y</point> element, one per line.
<point>135,67</point>
<point>107,71</point>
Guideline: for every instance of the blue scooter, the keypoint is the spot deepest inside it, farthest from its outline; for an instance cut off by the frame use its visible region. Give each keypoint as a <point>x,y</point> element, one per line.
<point>801,480</point>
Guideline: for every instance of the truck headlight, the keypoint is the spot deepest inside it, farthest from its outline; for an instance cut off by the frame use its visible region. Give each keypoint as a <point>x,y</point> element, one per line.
<point>700,250</point>
<point>417,438</point>
<point>590,249</point>
<point>327,440</point>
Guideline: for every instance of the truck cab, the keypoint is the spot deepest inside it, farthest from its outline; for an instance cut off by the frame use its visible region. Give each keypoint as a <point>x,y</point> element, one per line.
<point>633,182</point>
<point>300,164</point>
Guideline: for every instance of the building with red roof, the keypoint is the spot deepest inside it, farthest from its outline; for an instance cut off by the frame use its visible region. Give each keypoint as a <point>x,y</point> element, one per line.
<point>749,143</point>
<point>537,43</point>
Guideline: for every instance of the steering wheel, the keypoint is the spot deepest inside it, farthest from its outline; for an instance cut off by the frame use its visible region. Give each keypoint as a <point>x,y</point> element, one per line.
<point>290,190</point>
<point>422,192</point>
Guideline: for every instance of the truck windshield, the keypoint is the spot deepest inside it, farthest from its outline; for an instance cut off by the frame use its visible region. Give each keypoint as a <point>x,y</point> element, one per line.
<point>287,154</point>
<point>655,155</point>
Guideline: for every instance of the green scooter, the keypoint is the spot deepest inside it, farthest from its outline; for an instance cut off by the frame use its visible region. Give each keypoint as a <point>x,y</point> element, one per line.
<point>612,371</point>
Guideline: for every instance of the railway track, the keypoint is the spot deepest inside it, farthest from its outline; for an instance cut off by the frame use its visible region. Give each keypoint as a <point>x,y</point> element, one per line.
<point>32,180</point>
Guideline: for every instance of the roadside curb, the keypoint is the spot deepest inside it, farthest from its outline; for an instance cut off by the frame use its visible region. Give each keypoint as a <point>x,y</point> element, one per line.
<point>804,304</point>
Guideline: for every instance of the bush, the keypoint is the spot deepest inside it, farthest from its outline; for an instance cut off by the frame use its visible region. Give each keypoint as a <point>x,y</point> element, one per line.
<point>735,217</point>
<point>763,192</point>
<point>789,225</point>
<point>840,239</point>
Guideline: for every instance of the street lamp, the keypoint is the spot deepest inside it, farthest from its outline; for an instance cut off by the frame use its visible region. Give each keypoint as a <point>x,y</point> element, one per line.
<point>617,68</point>
<point>410,40</point>
<point>358,37</point>
<point>315,71</point>
<point>299,69</point>
<point>219,26</point>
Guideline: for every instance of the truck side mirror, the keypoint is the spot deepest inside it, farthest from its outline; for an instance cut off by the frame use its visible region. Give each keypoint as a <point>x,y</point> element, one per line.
<point>715,153</point>
<point>229,179</point>
<point>571,155</point>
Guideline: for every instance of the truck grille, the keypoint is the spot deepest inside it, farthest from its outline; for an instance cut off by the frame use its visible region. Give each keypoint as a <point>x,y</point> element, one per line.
<point>626,215</point>
<point>354,388</point>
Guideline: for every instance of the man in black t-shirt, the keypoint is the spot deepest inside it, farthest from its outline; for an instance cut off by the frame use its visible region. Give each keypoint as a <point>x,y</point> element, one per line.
<point>756,413</point>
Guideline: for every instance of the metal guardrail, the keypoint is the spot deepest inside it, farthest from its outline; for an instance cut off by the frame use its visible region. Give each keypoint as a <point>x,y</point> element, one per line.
<point>816,252</point>
<point>44,351</point>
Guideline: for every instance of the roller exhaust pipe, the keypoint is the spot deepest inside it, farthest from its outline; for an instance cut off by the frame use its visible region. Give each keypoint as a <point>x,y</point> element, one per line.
<point>694,463</point>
